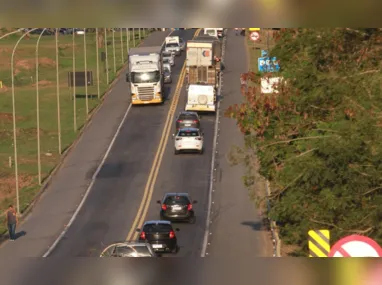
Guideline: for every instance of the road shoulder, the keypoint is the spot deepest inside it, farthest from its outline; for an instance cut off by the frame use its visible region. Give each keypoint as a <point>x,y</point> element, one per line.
<point>237,227</point>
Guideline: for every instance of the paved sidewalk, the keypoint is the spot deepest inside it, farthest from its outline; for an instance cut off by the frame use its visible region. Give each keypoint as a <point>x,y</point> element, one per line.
<point>61,198</point>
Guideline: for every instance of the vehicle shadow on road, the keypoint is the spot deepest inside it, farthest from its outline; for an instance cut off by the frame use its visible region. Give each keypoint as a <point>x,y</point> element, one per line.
<point>257,226</point>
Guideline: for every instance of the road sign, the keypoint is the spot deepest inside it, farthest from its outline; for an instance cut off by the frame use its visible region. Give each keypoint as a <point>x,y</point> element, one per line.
<point>319,243</point>
<point>356,246</point>
<point>267,64</point>
<point>254,36</point>
<point>264,53</point>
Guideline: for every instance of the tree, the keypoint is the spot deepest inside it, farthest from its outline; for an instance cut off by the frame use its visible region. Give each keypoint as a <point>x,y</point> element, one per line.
<point>318,139</point>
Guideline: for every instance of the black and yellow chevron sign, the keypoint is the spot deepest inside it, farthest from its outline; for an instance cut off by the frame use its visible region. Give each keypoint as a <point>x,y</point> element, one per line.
<point>319,243</point>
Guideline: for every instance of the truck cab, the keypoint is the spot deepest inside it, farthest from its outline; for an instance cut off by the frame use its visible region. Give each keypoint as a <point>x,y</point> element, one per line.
<point>172,44</point>
<point>145,75</point>
<point>201,97</point>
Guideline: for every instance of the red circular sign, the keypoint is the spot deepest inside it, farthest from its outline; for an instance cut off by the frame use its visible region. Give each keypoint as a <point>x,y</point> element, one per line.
<point>356,246</point>
<point>254,36</point>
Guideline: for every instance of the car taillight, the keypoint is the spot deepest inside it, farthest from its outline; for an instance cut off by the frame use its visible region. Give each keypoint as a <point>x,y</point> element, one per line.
<point>180,121</point>
<point>143,235</point>
<point>195,121</point>
<point>172,234</point>
<point>164,207</point>
<point>189,207</point>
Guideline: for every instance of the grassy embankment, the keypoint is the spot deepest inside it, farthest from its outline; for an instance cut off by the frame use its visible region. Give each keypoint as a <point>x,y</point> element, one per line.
<point>25,102</point>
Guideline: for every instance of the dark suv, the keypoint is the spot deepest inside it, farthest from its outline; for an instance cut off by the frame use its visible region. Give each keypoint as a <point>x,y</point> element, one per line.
<point>160,235</point>
<point>187,120</point>
<point>177,207</point>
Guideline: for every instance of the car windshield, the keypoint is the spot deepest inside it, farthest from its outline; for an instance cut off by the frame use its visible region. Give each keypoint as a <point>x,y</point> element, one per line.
<point>188,133</point>
<point>131,251</point>
<point>145,77</point>
<point>157,228</point>
<point>166,69</point>
<point>177,200</point>
<point>172,45</point>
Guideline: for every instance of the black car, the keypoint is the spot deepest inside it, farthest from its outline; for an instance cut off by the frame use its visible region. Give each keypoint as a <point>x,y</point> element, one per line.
<point>160,235</point>
<point>187,120</point>
<point>177,207</point>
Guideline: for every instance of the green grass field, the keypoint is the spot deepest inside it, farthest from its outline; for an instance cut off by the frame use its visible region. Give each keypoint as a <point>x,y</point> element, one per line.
<point>25,102</point>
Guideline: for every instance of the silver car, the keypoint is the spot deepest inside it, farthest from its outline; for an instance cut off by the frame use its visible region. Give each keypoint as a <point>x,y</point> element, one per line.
<point>166,64</point>
<point>129,249</point>
<point>182,44</point>
<point>174,48</point>
<point>170,57</point>
<point>167,74</point>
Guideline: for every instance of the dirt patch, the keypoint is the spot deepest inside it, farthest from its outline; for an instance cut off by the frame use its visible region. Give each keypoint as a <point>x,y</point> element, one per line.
<point>7,184</point>
<point>29,64</point>
<point>7,50</point>
<point>43,83</point>
<point>288,249</point>
<point>6,117</point>
<point>4,89</point>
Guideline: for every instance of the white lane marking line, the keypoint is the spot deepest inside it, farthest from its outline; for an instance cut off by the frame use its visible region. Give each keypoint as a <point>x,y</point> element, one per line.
<point>210,191</point>
<point>49,251</point>
<point>90,185</point>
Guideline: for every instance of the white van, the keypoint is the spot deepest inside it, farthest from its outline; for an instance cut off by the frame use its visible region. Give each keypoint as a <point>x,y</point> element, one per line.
<point>212,32</point>
<point>201,98</point>
<point>173,45</point>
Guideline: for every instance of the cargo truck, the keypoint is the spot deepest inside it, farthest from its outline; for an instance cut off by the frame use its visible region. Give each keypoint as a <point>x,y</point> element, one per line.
<point>145,75</point>
<point>203,68</point>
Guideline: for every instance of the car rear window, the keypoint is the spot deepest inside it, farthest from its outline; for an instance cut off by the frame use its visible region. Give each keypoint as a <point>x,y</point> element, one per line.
<point>126,251</point>
<point>187,117</point>
<point>189,133</point>
<point>177,200</point>
<point>157,228</point>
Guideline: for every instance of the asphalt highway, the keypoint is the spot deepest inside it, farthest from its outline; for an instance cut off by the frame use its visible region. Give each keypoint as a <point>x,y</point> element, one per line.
<point>108,213</point>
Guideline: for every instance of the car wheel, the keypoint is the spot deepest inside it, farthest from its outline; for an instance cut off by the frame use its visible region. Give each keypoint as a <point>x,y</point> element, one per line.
<point>192,220</point>
<point>176,152</point>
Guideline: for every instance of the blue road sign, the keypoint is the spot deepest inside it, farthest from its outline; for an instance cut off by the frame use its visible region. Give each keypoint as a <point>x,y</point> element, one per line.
<point>264,53</point>
<point>267,64</point>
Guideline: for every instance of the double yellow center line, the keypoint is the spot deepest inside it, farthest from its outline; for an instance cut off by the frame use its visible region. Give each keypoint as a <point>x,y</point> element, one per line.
<point>149,189</point>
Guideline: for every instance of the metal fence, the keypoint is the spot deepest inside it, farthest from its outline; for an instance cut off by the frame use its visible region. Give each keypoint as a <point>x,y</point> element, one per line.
<point>50,81</point>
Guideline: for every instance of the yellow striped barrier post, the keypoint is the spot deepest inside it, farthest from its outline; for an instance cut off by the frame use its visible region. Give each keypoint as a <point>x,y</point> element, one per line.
<point>319,243</point>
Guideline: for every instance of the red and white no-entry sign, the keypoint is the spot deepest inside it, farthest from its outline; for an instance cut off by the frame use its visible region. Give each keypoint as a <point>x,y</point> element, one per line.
<point>254,36</point>
<point>356,246</point>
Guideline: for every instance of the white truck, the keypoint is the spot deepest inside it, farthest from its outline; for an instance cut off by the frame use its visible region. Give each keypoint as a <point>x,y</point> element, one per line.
<point>172,44</point>
<point>202,60</point>
<point>201,97</point>
<point>146,75</point>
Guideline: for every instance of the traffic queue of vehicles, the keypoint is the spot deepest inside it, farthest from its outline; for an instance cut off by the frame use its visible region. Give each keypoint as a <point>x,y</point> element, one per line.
<point>148,68</point>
